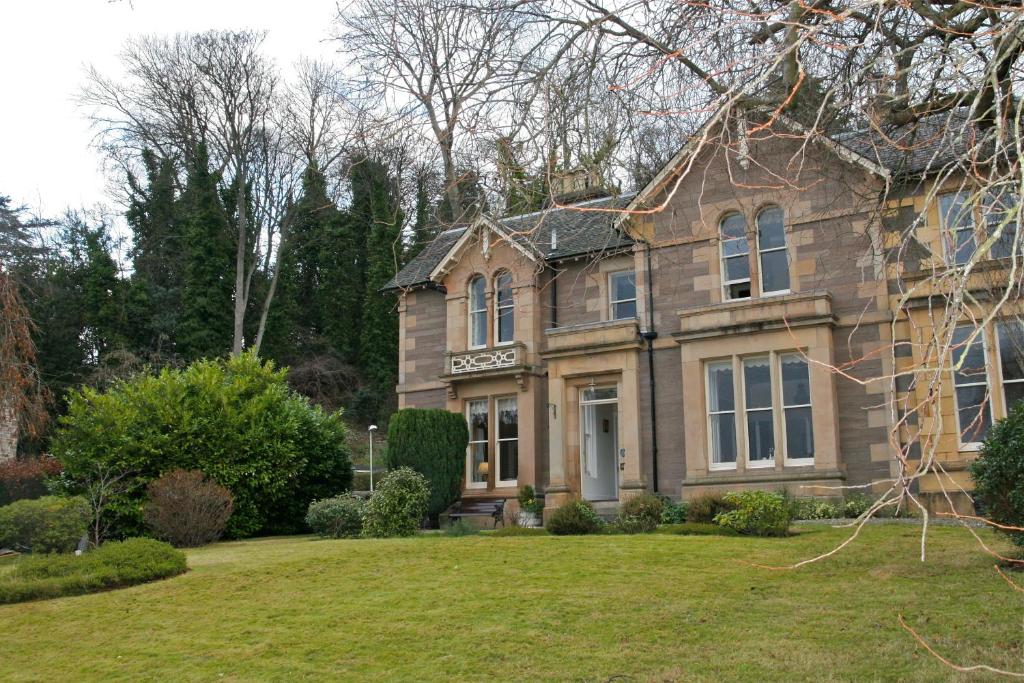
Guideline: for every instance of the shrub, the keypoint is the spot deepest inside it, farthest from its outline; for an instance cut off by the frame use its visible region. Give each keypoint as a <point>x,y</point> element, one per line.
<point>696,529</point>
<point>25,479</point>
<point>755,513</point>
<point>998,473</point>
<point>112,565</point>
<point>50,524</point>
<point>337,517</point>
<point>673,512</point>
<point>856,505</point>
<point>461,527</point>
<point>640,514</point>
<point>812,508</point>
<point>705,507</point>
<point>517,531</point>
<point>235,419</point>
<point>187,509</point>
<point>432,442</point>
<point>398,506</point>
<point>576,517</point>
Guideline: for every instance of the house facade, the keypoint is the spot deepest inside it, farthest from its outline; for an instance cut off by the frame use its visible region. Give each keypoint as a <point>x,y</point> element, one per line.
<point>724,328</point>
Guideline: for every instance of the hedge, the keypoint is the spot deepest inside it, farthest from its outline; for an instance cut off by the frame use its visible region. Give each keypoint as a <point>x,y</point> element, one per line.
<point>50,524</point>
<point>113,565</point>
<point>433,443</point>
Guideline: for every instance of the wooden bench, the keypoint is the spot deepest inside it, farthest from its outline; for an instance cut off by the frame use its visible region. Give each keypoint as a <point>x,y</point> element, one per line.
<point>494,509</point>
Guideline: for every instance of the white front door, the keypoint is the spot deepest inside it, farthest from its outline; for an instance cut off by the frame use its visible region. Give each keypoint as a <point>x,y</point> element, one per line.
<point>599,443</point>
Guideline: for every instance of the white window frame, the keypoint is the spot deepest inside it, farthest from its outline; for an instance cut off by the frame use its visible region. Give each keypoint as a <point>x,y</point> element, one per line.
<point>971,445</point>
<point>712,465</point>
<point>473,312</point>
<point>1009,226</point>
<point>470,484</point>
<point>761,252</point>
<point>786,460</point>
<point>999,357</point>
<point>613,302</point>
<point>722,258</point>
<point>498,481</point>
<point>770,462</point>
<point>498,308</point>
<point>949,242</point>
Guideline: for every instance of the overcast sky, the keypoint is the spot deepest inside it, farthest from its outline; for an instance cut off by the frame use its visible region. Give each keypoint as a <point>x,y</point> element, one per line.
<point>46,162</point>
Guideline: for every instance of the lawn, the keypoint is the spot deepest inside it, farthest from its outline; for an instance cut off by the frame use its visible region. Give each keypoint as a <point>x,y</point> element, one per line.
<point>654,607</point>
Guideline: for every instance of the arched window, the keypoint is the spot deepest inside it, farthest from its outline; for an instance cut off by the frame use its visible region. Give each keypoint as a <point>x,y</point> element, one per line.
<point>735,257</point>
<point>504,309</point>
<point>477,313</point>
<point>771,246</point>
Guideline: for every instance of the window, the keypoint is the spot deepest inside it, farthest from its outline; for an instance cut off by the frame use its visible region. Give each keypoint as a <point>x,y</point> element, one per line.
<point>1011,361</point>
<point>957,221</point>
<point>504,309</point>
<point>757,389</point>
<point>508,441</point>
<point>796,408</point>
<point>735,257</point>
<point>622,293</point>
<point>477,313</point>
<point>771,245</point>
<point>476,460</point>
<point>970,378</point>
<point>721,415</point>
<point>765,380</point>
<point>998,210</point>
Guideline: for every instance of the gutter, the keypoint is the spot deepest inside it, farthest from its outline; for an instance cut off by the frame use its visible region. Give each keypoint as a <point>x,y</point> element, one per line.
<point>649,335</point>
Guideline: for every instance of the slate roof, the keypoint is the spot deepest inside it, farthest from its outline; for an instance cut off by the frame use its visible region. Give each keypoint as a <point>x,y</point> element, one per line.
<point>582,228</point>
<point>929,143</point>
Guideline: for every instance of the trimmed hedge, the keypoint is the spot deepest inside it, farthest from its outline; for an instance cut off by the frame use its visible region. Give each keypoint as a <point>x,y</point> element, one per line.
<point>640,514</point>
<point>50,524</point>
<point>236,420</point>
<point>113,565</point>
<point>756,513</point>
<point>432,442</point>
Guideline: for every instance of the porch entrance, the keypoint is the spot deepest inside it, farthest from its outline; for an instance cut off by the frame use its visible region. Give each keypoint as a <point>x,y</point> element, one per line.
<point>599,443</point>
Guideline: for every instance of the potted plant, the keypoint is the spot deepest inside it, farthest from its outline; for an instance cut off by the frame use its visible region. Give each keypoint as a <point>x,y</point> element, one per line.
<point>529,507</point>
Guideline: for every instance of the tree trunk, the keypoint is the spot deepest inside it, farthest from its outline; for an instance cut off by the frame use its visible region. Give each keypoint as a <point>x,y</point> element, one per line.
<point>241,295</point>
<point>8,433</point>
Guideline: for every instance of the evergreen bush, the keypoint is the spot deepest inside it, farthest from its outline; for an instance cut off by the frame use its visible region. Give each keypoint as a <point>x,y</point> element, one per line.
<point>235,419</point>
<point>998,473</point>
<point>577,517</point>
<point>755,513</point>
<point>432,442</point>
<point>337,517</point>
<point>51,524</point>
<point>398,506</point>
<point>640,514</point>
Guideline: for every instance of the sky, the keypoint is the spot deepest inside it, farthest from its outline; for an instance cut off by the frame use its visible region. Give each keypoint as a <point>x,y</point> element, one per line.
<point>46,162</point>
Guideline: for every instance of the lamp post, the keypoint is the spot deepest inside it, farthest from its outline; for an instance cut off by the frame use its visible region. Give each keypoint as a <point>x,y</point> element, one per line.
<point>372,429</point>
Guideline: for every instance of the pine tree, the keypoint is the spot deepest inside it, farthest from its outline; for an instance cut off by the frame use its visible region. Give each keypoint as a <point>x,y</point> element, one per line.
<point>205,328</point>
<point>379,341</point>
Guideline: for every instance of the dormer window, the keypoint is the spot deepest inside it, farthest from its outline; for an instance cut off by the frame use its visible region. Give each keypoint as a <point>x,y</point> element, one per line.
<point>735,257</point>
<point>477,313</point>
<point>504,309</point>
<point>622,295</point>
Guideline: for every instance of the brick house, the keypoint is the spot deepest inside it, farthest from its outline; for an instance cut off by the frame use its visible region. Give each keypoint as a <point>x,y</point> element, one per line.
<point>681,339</point>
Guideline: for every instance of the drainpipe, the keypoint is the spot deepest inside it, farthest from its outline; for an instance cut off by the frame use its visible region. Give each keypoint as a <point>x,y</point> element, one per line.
<point>554,298</point>
<point>650,335</point>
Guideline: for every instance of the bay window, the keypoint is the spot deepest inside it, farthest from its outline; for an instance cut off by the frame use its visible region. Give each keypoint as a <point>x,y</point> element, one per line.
<point>508,441</point>
<point>970,381</point>
<point>477,465</point>
<point>1011,361</point>
<point>774,413</point>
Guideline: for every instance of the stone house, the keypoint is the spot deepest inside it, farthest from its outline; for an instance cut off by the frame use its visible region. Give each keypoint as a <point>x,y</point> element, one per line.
<point>684,339</point>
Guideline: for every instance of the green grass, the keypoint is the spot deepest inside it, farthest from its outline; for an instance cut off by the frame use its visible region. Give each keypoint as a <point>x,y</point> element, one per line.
<point>646,607</point>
